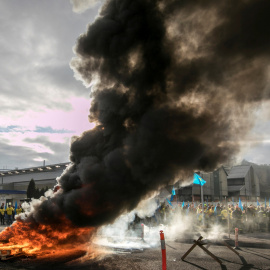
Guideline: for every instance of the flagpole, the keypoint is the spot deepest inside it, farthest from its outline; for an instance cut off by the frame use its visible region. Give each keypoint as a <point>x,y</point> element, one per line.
<point>202,204</point>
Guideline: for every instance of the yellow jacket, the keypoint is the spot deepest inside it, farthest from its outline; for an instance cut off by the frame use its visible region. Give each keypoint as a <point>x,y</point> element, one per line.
<point>2,211</point>
<point>224,214</point>
<point>18,211</point>
<point>9,210</point>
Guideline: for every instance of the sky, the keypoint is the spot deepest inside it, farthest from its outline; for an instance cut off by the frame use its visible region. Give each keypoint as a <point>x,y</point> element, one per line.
<point>42,103</point>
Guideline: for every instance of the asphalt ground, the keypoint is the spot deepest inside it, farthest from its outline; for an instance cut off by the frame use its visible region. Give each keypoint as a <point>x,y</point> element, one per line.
<point>151,259</point>
<point>254,253</point>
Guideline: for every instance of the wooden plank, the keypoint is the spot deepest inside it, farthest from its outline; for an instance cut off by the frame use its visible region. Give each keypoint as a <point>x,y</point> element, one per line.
<point>193,246</point>
<point>209,253</point>
<point>229,247</point>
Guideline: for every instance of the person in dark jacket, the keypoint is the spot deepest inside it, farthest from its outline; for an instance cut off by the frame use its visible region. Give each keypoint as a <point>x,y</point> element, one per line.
<point>237,218</point>
<point>2,214</point>
<point>262,219</point>
<point>251,214</point>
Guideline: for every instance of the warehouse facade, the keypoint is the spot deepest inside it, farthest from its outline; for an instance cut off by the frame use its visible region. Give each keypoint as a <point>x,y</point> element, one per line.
<point>14,183</point>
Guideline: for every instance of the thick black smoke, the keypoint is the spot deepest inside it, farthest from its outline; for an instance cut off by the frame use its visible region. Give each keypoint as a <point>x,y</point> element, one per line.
<point>173,87</point>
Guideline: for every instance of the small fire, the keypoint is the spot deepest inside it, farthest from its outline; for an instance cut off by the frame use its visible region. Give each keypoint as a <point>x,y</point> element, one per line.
<point>43,240</point>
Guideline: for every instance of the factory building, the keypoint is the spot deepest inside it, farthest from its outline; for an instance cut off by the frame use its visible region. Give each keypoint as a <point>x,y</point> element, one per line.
<point>250,182</point>
<point>14,183</point>
<point>228,184</point>
<point>243,182</point>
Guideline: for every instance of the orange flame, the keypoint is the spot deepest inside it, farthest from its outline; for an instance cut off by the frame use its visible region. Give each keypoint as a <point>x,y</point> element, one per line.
<point>39,239</point>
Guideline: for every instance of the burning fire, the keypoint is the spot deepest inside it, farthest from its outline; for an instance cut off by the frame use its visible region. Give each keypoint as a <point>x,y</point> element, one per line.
<point>42,240</point>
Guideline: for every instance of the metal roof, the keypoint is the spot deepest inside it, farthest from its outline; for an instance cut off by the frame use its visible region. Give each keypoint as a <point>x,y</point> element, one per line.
<point>59,166</point>
<point>226,169</point>
<point>239,171</point>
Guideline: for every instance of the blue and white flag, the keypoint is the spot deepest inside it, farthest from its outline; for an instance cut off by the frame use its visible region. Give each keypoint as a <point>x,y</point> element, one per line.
<point>173,194</point>
<point>198,180</point>
<point>15,207</point>
<point>240,204</point>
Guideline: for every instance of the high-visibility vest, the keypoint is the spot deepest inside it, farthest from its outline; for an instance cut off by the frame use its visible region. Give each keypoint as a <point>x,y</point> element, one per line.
<point>9,211</point>
<point>2,211</point>
<point>224,214</point>
<point>18,211</point>
<point>210,212</point>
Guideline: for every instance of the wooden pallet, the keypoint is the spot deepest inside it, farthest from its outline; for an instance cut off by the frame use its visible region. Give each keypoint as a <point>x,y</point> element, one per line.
<point>7,254</point>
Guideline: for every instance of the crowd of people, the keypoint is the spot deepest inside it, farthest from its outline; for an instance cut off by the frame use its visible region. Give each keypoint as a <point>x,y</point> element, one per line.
<point>7,214</point>
<point>246,218</point>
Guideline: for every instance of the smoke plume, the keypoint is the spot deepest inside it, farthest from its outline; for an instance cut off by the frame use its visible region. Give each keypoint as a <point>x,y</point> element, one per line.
<point>173,87</point>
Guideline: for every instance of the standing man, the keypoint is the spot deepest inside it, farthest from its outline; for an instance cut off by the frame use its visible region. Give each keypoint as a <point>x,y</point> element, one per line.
<point>2,214</point>
<point>251,214</point>
<point>9,214</point>
<point>19,210</point>
<point>237,218</point>
<point>218,213</point>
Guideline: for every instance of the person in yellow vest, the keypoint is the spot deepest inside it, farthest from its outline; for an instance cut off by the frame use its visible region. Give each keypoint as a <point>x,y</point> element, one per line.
<point>9,211</point>
<point>2,214</point>
<point>224,216</point>
<point>19,210</point>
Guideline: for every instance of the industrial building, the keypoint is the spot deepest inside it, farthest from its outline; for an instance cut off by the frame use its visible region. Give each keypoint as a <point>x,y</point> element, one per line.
<point>14,183</point>
<point>248,181</point>
<point>228,184</point>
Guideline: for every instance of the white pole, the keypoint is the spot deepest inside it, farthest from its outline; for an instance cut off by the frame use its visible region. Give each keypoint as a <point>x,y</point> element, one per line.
<point>202,205</point>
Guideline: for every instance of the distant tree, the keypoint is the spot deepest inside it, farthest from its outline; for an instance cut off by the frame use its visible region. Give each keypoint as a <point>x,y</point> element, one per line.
<point>31,189</point>
<point>37,193</point>
<point>41,192</point>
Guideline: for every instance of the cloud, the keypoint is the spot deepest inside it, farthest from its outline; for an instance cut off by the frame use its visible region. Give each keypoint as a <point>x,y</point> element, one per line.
<point>16,151</point>
<point>40,98</point>
<point>79,6</point>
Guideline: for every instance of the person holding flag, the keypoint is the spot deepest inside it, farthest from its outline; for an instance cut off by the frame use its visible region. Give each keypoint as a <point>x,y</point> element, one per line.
<point>240,204</point>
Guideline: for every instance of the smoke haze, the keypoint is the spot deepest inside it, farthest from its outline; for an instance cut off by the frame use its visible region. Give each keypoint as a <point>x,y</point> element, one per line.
<point>173,86</point>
